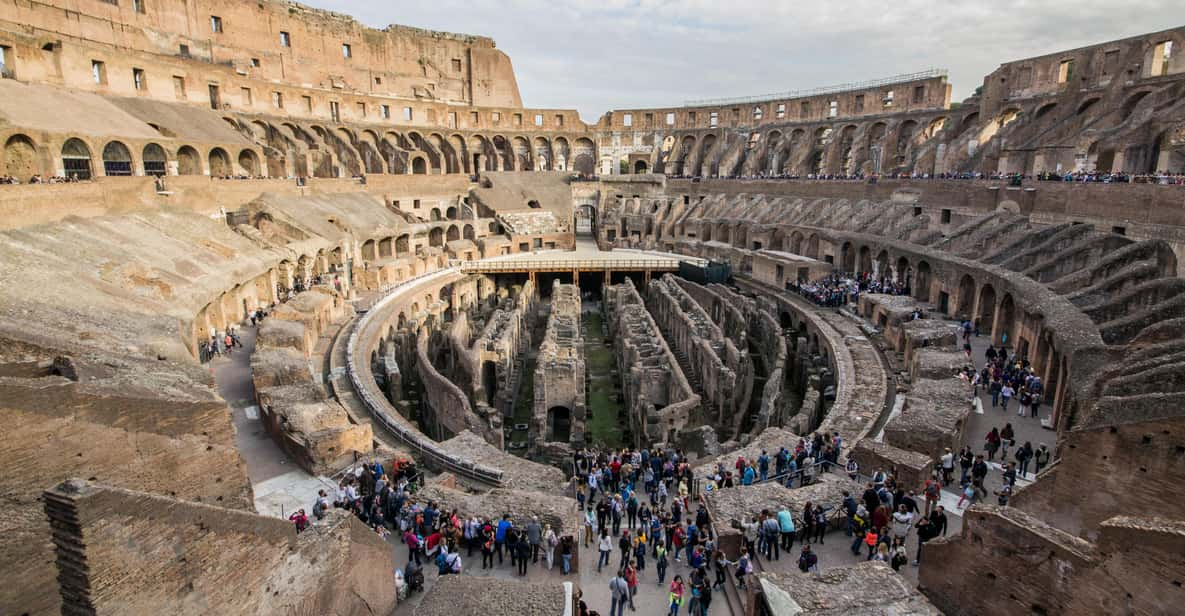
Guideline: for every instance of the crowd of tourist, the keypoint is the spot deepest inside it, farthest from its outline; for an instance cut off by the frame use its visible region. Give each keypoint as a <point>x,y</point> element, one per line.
<point>838,289</point>
<point>1164,178</point>
<point>37,179</point>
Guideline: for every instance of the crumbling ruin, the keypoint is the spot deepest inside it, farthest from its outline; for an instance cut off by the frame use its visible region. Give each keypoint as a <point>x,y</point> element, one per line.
<point>401,216</point>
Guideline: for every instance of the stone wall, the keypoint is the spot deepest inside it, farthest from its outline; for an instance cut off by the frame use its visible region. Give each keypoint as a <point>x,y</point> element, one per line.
<point>721,371</point>
<point>1135,568</point>
<point>661,401</point>
<point>125,552</point>
<point>560,371</point>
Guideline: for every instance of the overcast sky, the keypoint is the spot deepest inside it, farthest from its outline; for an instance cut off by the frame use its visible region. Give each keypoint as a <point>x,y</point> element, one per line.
<point>599,55</point>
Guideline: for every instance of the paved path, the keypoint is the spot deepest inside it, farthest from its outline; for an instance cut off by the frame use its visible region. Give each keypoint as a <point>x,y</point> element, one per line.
<point>280,485</point>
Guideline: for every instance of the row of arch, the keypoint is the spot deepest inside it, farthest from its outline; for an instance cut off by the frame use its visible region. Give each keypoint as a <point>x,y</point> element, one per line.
<point>873,147</point>
<point>76,159</point>
<point>293,148</point>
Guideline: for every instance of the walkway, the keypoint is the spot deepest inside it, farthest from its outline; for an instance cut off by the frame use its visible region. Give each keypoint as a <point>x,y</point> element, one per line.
<point>280,485</point>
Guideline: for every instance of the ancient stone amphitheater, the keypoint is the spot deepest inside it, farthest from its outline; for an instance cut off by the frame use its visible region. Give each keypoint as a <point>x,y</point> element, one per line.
<point>486,289</point>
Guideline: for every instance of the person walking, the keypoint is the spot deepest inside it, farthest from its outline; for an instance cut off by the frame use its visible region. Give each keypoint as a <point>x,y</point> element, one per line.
<point>660,562</point>
<point>605,546</point>
<point>619,594</point>
<point>1041,457</point>
<point>1007,439</point>
<point>534,538</point>
<point>566,548</point>
<point>550,541</point>
<point>1024,454</point>
<point>675,598</point>
<point>992,443</point>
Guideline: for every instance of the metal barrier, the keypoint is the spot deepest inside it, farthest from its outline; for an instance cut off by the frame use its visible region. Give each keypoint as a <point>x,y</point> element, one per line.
<point>562,265</point>
<point>843,87</point>
<point>384,413</point>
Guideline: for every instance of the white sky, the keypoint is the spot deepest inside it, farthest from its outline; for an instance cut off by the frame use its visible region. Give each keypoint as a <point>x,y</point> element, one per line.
<point>599,55</point>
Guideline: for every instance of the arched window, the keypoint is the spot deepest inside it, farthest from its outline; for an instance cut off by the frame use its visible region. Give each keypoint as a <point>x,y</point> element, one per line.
<point>117,160</point>
<point>76,159</point>
<point>154,160</point>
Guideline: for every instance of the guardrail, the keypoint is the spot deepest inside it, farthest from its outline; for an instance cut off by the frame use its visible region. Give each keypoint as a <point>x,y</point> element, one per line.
<point>835,89</point>
<point>561,265</point>
<point>382,410</point>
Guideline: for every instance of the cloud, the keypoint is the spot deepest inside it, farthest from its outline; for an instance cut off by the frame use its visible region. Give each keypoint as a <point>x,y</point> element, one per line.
<point>619,54</point>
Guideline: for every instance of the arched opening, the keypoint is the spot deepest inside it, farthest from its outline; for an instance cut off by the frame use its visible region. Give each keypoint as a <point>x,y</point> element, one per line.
<point>559,424</point>
<point>453,233</point>
<point>585,219</point>
<point>451,213</point>
<point>865,260</point>
<point>987,308</point>
<point>1086,105</point>
<point>903,272</point>
<point>640,167</point>
<point>249,162</point>
<point>76,159</point>
<point>155,162</point>
<point>20,158</point>
<point>584,157</point>
<point>117,159</point>
<point>188,161</point>
<point>419,166</point>
<point>219,163</point>
<point>882,264</point>
<point>812,247</point>
<point>1005,322</point>
<point>1130,105</point>
<point>489,381</point>
<point>922,288</point>
<point>467,232</point>
<point>966,297</point>
<point>847,257</point>
<point>434,215</point>
<point>401,244</point>
<point>436,237</point>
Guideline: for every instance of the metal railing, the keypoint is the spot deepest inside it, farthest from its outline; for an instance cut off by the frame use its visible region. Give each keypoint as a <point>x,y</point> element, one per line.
<point>835,89</point>
<point>562,265</point>
<point>380,409</point>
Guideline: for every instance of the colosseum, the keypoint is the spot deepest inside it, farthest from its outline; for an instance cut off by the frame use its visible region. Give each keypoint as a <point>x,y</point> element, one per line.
<point>303,317</point>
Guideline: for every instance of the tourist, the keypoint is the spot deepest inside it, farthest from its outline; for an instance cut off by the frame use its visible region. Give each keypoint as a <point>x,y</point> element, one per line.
<point>487,548</point>
<point>534,534</point>
<point>566,549</point>
<point>619,593</point>
<point>992,443</point>
<point>504,526</point>
<point>1023,455</point>
<point>1041,457</point>
<point>947,462</point>
<point>897,554</point>
<point>631,582</point>
<point>675,599</point>
<point>744,567</point>
<point>870,540</point>
<point>605,546</point>
<point>808,562</point>
<point>771,531</point>
<point>902,522</point>
<point>300,520</point>
<point>1007,439</point>
<point>660,561</point>
<point>522,551</point>
<point>786,528</point>
<point>550,541</point>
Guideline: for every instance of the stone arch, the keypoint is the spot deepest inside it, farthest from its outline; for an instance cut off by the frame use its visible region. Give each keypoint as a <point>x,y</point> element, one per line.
<point>219,163</point>
<point>154,159</point>
<point>505,153</point>
<point>812,246</point>
<point>969,120</point>
<point>20,157</point>
<point>966,303</point>
<point>419,164</point>
<point>903,271</point>
<point>436,237</point>
<point>986,313</point>
<point>686,147</point>
<point>561,151</point>
<point>402,244</point>
<point>882,264</point>
<point>584,156</point>
<point>847,257</point>
<point>796,240</point>
<point>1005,322</point>
<point>1085,105</point>
<point>865,260</point>
<point>522,154</point>
<point>640,167</point>
<point>1130,104</point>
<point>453,234</point>
<point>468,233</point>
<point>189,162</point>
<point>117,159</point>
<point>249,162</point>
<point>924,276</point>
<point>449,162</point>
<point>543,155</point>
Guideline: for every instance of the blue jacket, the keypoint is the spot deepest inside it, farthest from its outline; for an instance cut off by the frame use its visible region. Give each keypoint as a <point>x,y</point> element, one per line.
<point>500,534</point>
<point>785,521</point>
